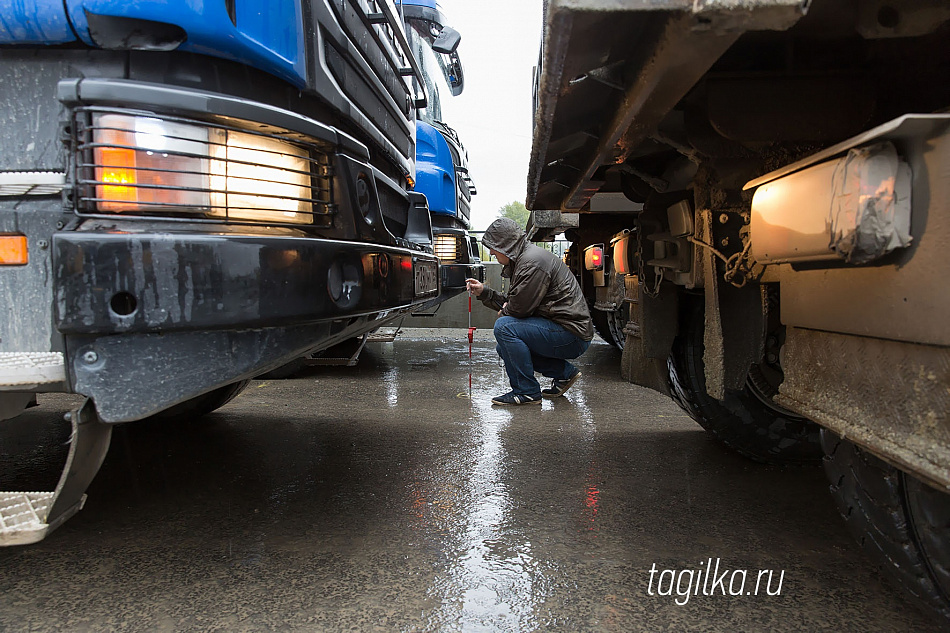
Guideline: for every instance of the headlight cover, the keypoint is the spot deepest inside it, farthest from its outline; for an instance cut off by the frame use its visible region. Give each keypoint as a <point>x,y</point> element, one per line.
<point>155,166</point>
<point>447,248</point>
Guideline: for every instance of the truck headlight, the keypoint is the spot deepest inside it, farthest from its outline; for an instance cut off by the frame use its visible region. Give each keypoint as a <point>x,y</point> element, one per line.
<point>447,248</point>
<point>151,165</point>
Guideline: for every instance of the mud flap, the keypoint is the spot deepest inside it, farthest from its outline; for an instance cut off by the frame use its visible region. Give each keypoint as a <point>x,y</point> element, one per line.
<point>650,332</point>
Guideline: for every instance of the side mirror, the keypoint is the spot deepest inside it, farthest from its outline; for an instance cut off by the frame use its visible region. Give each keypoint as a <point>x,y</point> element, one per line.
<point>456,75</point>
<point>447,42</point>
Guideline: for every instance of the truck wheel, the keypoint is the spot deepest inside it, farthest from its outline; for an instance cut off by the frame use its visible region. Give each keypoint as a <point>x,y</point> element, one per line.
<point>203,404</point>
<point>746,420</point>
<point>609,326</point>
<point>902,523</point>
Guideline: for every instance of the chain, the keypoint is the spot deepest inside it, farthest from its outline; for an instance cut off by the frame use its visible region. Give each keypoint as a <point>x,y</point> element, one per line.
<point>655,292</point>
<point>738,266</point>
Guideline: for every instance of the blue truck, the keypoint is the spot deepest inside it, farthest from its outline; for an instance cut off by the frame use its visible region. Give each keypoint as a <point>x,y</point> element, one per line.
<point>192,194</point>
<point>442,172</point>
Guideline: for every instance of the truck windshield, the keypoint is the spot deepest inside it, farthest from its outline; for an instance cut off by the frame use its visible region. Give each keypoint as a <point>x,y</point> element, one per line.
<point>435,70</point>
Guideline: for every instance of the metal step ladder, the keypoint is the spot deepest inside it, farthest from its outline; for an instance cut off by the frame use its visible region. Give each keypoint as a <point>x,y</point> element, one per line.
<point>28,370</point>
<point>29,517</point>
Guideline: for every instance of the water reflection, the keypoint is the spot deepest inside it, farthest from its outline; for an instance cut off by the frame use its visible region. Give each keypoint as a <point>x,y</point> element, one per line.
<point>588,435</point>
<point>591,498</point>
<point>490,585</point>
<point>391,380</point>
<point>489,577</point>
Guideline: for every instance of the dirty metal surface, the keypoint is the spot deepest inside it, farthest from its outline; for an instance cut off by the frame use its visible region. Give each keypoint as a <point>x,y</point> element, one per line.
<point>381,498</point>
<point>888,396</point>
<point>619,68</point>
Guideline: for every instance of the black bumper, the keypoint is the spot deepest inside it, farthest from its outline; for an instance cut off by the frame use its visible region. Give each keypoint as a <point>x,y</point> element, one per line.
<point>108,283</point>
<point>454,275</point>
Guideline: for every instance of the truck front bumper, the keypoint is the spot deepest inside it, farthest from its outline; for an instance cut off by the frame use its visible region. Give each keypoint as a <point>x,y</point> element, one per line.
<point>454,275</point>
<point>152,319</point>
<point>120,282</point>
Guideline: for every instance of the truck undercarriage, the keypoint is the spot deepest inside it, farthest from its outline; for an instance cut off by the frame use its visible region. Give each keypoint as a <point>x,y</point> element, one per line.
<point>757,197</point>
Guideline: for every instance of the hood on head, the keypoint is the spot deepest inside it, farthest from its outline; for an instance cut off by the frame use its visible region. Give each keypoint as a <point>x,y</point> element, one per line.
<point>505,236</point>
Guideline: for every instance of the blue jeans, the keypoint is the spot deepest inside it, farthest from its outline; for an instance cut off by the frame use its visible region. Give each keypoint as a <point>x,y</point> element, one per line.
<point>533,345</point>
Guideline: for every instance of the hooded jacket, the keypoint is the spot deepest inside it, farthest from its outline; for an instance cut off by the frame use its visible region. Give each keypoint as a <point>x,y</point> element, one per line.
<point>541,285</point>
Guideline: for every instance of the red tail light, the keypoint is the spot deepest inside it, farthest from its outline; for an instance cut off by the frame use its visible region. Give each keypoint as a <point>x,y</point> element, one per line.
<point>594,257</point>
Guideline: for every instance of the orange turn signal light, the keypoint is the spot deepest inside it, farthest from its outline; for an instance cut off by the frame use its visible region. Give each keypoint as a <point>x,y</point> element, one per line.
<point>13,251</point>
<point>116,171</point>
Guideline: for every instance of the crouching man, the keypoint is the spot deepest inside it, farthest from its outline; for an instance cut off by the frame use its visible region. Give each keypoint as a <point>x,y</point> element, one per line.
<point>544,320</point>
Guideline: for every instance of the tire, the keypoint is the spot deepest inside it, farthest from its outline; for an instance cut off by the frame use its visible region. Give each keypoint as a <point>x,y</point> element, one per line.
<point>203,404</point>
<point>746,421</point>
<point>902,523</point>
<point>609,326</point>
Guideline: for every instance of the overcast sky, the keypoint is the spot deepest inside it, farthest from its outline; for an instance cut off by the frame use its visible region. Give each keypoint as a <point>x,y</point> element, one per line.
<point>500,42</point>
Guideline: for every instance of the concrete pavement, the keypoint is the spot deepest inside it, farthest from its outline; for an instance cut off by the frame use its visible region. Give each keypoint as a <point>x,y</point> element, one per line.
<point>382,498</point>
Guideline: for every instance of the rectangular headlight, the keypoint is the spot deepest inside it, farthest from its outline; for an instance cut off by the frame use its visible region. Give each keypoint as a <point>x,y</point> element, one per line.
<point>145,164</point>
<point>446,248</point>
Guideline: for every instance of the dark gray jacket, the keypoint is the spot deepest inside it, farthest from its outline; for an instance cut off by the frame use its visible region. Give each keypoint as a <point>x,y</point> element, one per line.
<point>541,285</point>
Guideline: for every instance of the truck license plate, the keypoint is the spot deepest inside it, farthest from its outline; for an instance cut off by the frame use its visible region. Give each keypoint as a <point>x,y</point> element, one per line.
<point>427,277</point>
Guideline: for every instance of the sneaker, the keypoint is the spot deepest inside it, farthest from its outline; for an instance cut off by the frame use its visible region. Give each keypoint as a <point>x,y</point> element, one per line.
<point>511,399</point>
<point>558,387</point>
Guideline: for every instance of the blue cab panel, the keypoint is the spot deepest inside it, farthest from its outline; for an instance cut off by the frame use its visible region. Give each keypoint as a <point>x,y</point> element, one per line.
<point>34,22</point>
<point>266,34</point>
<point>435,170</point>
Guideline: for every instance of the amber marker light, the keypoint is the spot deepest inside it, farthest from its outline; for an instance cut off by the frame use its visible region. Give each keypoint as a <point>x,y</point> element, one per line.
<point>13,251</point>
<point>116,172</point>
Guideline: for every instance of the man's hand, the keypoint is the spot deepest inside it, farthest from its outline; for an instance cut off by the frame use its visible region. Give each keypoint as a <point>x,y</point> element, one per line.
<point>502,308</point>
<point>474,286</point>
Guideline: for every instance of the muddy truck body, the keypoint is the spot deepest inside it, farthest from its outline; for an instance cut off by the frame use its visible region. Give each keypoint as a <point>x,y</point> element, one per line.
<point>757,195</point>
<point>191,195</point>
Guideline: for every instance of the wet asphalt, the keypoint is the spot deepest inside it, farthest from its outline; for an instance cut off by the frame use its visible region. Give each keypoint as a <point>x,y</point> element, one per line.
<point>383,498</point>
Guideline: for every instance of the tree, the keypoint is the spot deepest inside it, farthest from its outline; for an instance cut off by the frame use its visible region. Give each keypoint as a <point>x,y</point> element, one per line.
<point>516,211</point>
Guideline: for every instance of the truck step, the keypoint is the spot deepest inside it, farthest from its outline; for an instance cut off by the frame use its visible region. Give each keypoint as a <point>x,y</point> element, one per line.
<point>28,517</point>
<point>385,335</point>
<point>31,368</point>
<point>345,354</point>
<point>381,337</point>
<point>23,517</point>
